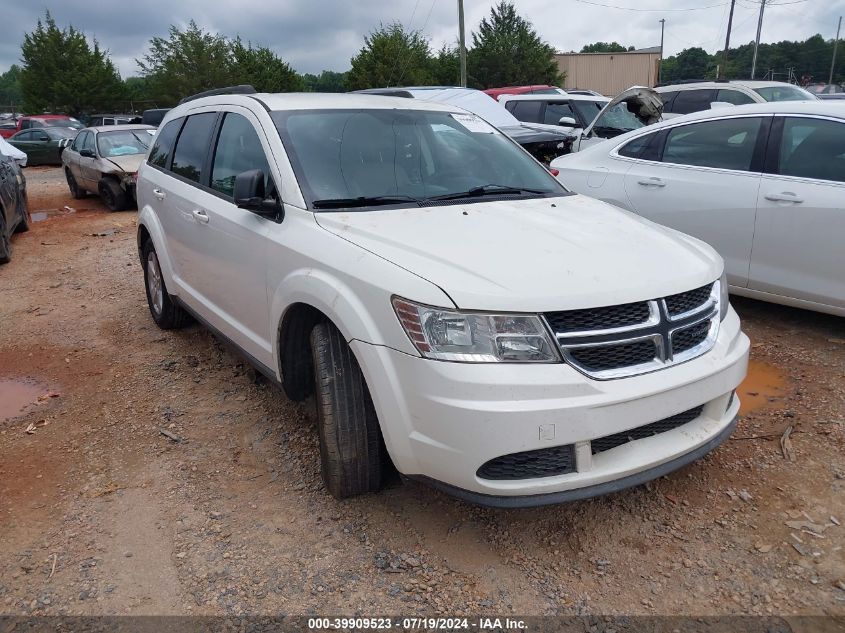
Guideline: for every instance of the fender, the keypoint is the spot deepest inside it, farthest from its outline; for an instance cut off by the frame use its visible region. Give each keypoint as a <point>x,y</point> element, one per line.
<point>148,219</point>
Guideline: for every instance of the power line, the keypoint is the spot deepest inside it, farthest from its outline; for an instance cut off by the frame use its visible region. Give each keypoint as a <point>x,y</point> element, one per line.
<point>396,59</point>
<point>613,6</point>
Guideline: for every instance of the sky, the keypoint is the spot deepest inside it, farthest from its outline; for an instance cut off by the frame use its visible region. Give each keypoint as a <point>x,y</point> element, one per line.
<point>316,35</point>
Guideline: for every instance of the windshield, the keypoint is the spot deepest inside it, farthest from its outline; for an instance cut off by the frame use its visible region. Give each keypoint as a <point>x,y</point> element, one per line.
<point>784,93</point>
<point>587,110</point>
<point>405,156</point>
<point>123,142</point>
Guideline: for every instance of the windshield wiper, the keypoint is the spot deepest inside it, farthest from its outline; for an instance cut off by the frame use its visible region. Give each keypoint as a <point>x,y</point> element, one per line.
<point>486,190</point>
<point>362,201</point>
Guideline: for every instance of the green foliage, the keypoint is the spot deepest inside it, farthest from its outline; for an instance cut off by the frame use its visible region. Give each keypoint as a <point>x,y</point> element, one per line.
<point>10,87</point>
<point>507,51</point>
<point>446,67</point>
<point>185,63</point>
<point>326,81</point>
<point>63,73</point>
<point>263,69</point>
<point>809,59</point>
<point>606,47</point>
<point>391,56</point>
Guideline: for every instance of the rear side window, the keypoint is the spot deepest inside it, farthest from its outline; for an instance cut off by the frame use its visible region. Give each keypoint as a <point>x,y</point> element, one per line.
<point>163,145</point>
<point>192,146</point>
<point>238,150</point>
<point>733,96</point>
<point>528,111</point>
<point>689,101</point>
<point>725,144</point>
<point>635,147</point>
<point>77,142</point>
<point>813,148</point>
<point>88,141</point>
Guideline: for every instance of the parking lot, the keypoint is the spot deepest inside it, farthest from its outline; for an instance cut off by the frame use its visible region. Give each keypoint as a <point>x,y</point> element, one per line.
<point>150,472</point>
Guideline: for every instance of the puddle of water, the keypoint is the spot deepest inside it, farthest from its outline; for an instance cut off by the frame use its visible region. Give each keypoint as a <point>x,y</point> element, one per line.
<point>763,383</point>
<point>46,214</point>
<point>16,395</point>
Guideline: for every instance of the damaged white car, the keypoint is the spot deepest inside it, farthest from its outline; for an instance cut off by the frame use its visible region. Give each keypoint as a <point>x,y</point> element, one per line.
<point>105,160</point>
<point>589,119</point>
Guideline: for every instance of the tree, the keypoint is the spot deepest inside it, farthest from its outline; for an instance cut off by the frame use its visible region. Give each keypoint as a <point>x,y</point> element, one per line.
<point>263,69</point>
<point>692,63</point>
<point>62,72</point>
<point>10,87</point>
<point>326,81</point>
<point>506,50</point>
<point>391,56</point>
<point>606,47</point>
<point>446,67</point>
<point>186,62</point>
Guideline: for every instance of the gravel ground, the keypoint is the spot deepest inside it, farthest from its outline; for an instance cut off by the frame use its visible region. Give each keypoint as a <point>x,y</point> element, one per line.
<point>102,513</point>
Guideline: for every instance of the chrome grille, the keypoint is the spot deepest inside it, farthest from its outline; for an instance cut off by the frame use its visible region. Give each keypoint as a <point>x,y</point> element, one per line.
<point>640,337</point>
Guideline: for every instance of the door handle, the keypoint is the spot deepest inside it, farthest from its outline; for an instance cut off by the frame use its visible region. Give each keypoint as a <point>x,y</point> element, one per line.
<point>651,182</point>
<point>200,216</point>
<point>158,193</point>
<point>784,196</point>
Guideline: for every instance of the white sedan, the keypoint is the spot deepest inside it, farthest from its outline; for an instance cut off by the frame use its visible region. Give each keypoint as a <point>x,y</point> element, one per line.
<point>764,184</point>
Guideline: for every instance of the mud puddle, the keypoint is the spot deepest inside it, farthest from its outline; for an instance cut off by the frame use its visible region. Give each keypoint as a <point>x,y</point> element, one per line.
<point>45,214</point>
<point>765,385</point>
<point>18,395</point>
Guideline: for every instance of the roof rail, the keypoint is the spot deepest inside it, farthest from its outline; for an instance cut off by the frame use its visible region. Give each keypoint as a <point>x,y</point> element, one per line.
<point>243,89</point>
<point>680,82</point>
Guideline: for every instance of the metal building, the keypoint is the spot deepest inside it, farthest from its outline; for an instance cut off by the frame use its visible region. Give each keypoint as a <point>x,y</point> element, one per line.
<point>610,73</point>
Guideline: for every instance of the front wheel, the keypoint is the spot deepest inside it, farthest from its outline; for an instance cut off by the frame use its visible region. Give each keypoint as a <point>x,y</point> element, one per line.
<point>351,449</point>
<point>112,195</point>
<point>165,312</point>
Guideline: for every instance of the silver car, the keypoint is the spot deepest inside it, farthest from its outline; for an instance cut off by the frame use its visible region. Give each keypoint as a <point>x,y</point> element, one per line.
<point>105,160</point>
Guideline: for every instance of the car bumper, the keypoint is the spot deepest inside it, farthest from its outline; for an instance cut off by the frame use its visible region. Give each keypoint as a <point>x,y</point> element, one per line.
<point>442,421</point>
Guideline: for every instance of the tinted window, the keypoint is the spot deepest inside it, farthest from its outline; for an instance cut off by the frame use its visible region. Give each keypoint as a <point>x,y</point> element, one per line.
<point>23,136</point>
<point>192,146</point>
<point>727,144</point>
<point>813,148</point>
<point>163,145</point>
<point>733,96</point>
<point>667,98</point>
<point>689,101</point>
<point>238,150</point>
<point>554,112</point>
<point>634,148</point>
<point>528,111</point>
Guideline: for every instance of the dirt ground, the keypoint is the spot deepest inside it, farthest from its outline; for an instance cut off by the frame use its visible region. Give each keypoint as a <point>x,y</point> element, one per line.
<point>102,513</point>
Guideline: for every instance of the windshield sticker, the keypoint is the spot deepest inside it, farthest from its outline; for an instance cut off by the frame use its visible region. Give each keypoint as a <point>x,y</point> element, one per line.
<point>474,124</point>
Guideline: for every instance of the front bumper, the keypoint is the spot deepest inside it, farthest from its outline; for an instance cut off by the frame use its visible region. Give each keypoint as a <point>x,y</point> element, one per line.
<point>442,421</point>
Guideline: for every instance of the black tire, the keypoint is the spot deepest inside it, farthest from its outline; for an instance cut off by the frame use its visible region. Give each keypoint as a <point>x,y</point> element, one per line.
<point>5,240</point>
<point>351,449</point>
<point>112,195</point>
<point>165,312</point>
<point>23,225</point>
<point>76,192</point>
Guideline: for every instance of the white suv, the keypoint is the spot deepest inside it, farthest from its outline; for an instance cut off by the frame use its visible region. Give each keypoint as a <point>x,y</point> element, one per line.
<point>452,307</point>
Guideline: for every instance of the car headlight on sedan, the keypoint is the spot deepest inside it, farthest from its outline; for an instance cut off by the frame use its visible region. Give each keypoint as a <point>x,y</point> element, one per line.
<point>724,297</point>
<point>473,337</point>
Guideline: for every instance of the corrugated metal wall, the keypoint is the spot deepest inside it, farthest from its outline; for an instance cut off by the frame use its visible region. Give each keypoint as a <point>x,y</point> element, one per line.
<point>608,73</point>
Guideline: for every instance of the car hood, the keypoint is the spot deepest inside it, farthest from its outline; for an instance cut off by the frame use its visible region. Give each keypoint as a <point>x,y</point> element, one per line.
<point>645,103</point>
<point>532,255</point>
<point>129,163</point>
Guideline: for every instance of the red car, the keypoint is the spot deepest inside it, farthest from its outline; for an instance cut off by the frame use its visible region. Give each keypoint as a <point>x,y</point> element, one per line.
<point>541,89</point>
<point>41,120</point>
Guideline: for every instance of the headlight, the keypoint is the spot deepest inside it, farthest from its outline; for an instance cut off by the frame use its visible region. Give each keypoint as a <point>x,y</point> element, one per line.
<point>471,337</point>
<point>724,297</point>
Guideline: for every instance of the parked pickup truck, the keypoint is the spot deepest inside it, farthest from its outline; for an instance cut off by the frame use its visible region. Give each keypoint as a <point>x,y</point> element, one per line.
<point>453,309</point>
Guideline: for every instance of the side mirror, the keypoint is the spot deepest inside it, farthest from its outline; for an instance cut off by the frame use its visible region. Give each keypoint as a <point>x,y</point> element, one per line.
<point>249,194</point>
<point>86,153</point>
<point>567,121</point>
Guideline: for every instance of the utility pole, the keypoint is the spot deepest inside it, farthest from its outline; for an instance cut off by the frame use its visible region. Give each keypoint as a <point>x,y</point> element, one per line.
<point>757,41</point>
<point>727,39</point>
<point>660,63</point>
<point>835,46</point>
<point>463,46</point>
